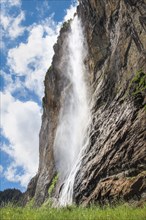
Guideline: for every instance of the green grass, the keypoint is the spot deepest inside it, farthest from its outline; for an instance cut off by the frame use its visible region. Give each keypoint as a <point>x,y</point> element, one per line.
<point>121,212</point>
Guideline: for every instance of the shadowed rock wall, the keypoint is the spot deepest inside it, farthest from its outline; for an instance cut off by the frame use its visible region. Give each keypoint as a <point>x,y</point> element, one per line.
<point>114,166</point>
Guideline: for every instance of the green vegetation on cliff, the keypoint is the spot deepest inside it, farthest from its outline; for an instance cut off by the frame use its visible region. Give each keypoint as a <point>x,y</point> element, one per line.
<point>137,89</point>
<point>138,83</point>
<point>53,184</point>
<point>66,24</point>
<point>121,212</point>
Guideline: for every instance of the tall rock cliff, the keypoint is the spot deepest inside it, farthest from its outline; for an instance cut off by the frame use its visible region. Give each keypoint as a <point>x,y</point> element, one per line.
<point>114,165</point>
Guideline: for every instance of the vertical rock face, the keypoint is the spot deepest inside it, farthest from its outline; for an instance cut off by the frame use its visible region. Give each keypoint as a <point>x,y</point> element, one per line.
<point>114,166</point>
<point>115,163</point>
<point>55,82</point>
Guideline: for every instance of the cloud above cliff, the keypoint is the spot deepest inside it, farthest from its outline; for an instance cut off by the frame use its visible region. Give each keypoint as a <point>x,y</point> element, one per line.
<point>32,58</point>
<point>70,11</point>
<point>20,125</point>
<point>27,48</point>
<point>11,23</point>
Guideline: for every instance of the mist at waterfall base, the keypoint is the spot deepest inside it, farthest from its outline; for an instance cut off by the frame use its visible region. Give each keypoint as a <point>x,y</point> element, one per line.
<point>72,131</point>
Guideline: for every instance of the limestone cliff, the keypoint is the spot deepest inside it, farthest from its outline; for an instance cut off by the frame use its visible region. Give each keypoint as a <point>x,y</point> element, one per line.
<point>114,166</point>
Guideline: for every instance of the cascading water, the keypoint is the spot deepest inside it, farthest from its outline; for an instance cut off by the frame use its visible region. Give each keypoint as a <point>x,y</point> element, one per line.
<point>72,132</point>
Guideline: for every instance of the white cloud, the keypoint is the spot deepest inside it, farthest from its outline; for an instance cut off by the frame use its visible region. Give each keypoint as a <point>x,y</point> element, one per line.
<point>11,3</point>
<point>12,175</point>
<point>9,84</point>
<point>32,59</point>
<point>15,2</point>
<point>21,125</point>
<point>10,26</point>
<point>15,28</point>
<point>1,169</point>
<point>70,12</point>
<point>41,8</point>
<point>5,21</point>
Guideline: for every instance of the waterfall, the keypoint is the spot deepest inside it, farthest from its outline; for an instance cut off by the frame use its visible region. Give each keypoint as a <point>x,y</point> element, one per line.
<point>72,131</point>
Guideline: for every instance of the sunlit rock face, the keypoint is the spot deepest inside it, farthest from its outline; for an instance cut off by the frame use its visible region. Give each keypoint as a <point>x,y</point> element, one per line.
<point>55,82</point>
<point>113,166</point>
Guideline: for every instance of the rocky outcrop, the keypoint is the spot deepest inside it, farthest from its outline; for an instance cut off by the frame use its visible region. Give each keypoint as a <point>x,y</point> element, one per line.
<point>118,188</point>
<point>114,165</point>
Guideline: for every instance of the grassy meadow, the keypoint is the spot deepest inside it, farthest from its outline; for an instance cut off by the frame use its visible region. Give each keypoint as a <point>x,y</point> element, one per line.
<point>121,212</point>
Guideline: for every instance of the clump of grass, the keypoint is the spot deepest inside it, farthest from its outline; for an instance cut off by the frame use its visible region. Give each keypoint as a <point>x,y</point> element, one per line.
<point>30,204</point>
<point>120,212</point>
<point>53,184</point>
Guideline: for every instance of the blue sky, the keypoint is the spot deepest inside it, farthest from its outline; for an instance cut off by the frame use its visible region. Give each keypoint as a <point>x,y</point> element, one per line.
<point>29,29</point>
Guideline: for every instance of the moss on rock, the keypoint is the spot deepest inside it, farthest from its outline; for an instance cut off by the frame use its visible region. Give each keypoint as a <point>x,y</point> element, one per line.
<point>137,88</point>
<point>138,83</point>
<point>53,184</point>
